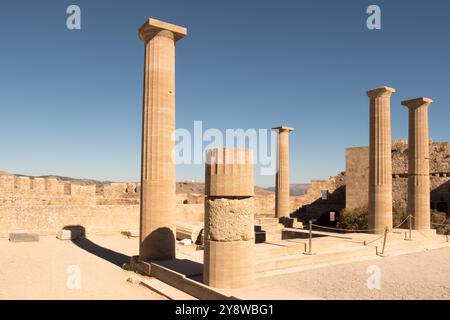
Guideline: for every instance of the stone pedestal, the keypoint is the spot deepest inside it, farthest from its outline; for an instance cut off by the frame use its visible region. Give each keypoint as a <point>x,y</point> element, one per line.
<point>380,162</point>
<point>157,228</point>
<point>418,162</point>
<point>229,219</point>
<point>282,186</point>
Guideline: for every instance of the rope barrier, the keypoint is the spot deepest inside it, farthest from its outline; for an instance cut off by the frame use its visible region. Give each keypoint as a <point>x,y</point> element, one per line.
<point>348,230</point>
<point>386,232</point>
<point>408,217</point>
<point>367,243</point>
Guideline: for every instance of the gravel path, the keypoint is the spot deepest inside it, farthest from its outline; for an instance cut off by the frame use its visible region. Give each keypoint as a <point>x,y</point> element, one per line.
<point>424,275</point>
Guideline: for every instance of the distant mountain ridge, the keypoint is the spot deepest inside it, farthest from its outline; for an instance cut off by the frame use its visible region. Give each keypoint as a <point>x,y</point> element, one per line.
<point>182,186</point>
<point>297,189</point>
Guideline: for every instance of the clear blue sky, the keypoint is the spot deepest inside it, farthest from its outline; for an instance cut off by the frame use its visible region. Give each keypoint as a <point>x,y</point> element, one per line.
<point>71,101</point>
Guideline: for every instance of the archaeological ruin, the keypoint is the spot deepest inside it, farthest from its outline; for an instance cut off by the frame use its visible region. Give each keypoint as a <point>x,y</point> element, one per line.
<point>236,232</point>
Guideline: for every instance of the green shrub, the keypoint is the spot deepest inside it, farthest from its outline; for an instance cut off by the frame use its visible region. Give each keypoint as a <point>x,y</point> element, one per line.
<point>355,219</point>
<point>399,215</point>
<point>441,223</point>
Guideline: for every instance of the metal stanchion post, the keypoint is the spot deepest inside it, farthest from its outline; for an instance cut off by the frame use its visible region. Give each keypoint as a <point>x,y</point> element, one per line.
<point>384,240</point>
<point>410,228</point>
<point>310,240</point>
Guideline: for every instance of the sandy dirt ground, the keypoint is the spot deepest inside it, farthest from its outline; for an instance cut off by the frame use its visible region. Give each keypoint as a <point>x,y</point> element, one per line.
<point>424,275</point>
<point>84,269</point>
<point>52,269</point>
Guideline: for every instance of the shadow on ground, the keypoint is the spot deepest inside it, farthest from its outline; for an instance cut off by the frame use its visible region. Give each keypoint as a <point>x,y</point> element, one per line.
<point>109,255</point>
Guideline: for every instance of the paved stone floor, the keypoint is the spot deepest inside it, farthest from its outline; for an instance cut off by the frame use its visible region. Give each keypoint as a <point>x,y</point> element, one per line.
<point>423,275</point>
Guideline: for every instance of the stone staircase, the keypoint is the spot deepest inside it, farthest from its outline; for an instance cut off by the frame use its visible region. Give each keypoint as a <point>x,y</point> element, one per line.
<point>271,227</point>
<point>289,253</point>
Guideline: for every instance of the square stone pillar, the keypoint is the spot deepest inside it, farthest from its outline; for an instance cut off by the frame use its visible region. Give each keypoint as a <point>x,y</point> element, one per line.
<point>380,161</point>
<point>282,185</point>
<point>418,162</point>
<point>158,180</point>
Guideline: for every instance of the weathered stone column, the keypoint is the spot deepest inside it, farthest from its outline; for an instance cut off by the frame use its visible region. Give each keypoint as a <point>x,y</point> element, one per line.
<point>282,200</point>
<point>229,218</point>
<point>418,162</point>
<point>380,161</point>
<point>157,229</point>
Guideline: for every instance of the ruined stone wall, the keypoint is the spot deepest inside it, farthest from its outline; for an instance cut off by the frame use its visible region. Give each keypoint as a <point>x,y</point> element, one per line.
<point>356,177</point>
<point>310,202</point>
<point>25,187</point>
<point>320,198</point>
<point>121,190</point>
<point>357,174</point>
<point>49,219</point>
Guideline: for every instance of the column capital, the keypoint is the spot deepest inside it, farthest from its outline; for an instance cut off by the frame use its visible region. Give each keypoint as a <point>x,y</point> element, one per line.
<point>418,102</point>
<point>152,27</point>
<point>283,128</point>
<point>381,91</point>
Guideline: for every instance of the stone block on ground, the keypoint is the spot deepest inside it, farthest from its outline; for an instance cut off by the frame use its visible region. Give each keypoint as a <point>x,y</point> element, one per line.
<point>70,233</point>
<point>130,234</point>
<point>23,237</point>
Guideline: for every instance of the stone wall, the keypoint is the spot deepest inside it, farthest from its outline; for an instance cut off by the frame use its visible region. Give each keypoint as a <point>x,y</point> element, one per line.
<point>357,175</point>
<point>104,219</point>
<point>24,187</point>
<point>52,198</point>
<point>322,197</point>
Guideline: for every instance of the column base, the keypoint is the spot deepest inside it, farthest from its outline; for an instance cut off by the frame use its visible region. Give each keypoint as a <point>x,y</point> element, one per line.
<point>228,265</point>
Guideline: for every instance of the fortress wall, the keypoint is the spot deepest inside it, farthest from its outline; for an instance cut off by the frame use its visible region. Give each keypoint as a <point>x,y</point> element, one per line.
<point>38,185</point>
<point>53,186</point>
<point>191,213</point>
<point>49,219</point>
<point>83,191</point>
<point>195,198</point>
<point>22,184</point>
<point>264,204</point>
<point>357,174</point>
<point>131,189</point>
<point>6,183</point>
<point>357,177</point>
<point>121,190</point>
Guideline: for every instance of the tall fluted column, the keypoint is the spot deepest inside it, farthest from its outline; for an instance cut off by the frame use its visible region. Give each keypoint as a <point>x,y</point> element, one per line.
<point>282,201</point>
<point>158,229</point>
<point>418,162</point>
<point>380,161</point>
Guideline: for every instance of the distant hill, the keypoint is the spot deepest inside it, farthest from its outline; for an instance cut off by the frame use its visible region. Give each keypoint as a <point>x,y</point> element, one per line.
<point>199,187</point>
<point>295,189</point>
<point>182,186</point>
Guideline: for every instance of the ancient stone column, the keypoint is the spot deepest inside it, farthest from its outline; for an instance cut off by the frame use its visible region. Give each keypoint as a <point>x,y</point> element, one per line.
<point>158,229</point>
<point>229,218</point>
<point>418,162</point>
<point>282,199</point>
<point>380,162</point>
